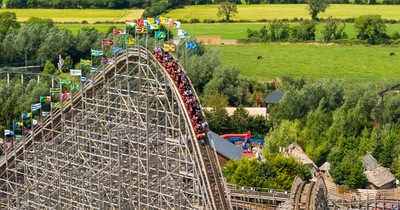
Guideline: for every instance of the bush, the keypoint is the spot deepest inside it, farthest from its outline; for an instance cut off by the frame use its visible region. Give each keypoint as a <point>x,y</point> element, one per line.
<point>244,21</point>
<point>262,20</point>
<point>84,22</point>
<point>183,21</point>
<point>194,20</point>
<point>208,20</point>
<point>344,189</point>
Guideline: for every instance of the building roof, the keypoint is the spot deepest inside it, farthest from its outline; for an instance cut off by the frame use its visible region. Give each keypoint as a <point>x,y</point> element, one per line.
<point>325,167</point>
<point>274,97</point>
<point>376,174</point>
<point>298,153</point>
<point>225,147</point>
<point>253,111</point>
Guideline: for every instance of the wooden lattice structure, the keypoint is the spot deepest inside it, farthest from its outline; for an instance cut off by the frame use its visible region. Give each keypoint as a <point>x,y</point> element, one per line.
<point>308,195</point>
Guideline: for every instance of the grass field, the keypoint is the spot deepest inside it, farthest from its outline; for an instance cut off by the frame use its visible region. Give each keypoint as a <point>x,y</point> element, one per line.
<point>364,64</point>
<point>280,11</point>
<point>77,15</point>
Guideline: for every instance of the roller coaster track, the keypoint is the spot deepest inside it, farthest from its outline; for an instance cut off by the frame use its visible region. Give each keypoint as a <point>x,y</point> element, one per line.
<point>123,141</point>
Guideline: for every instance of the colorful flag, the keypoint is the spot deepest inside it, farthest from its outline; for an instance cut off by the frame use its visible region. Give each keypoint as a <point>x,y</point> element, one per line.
<point>18,137</point>
<point>34,122</point>
<point>42,98</point>
<point>36,106</point>
<point>130,23</point>
<point>168,47</point>
<point>119,32</point>
<point>105,60</point>
<point>140,22</point>
<point>163,20</point>
<point>26,116</point>
<point>108,42</point>
<point>117,50</point>
<point>171,24</point>
<point>141,30</point>
<point>55,105</point>
<point>74,87</point>
<point>26,130</point>
<point>151,20</point>
<point>55,90</point>
<point>177,24</point>
<point>86,62</point>
<point>17,124</point>
<point>65,95</point>
<point>155,26</point>
<point>182,33</point>
<point>86,79</point>
<point>75,72</point>
<point>129,40</point>
<point>65,81</point>
<point>156,21</point>
<point>8,132</point>
<point>97,53</point>
<point>45,114</point>
<point>146,22</point>
<point>191,46</point>
<point>160,34</point>
<point>148,27</point>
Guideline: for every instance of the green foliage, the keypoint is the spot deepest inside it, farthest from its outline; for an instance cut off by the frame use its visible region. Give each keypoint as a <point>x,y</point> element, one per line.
<point>68,63</point>
<point>155,10</point>
<point>357,177</point>
<point>44,22</point>
<point>332,30</point>
<point>279,30</point>
<point>227,10</point>
<point>368,26</point>
<point>317,6</point>
<point>8,21</point>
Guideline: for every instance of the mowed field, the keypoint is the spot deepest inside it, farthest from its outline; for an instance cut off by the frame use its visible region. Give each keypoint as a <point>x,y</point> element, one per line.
<point>280,11</point>
<point>77,15</point>
<point>363,64</point>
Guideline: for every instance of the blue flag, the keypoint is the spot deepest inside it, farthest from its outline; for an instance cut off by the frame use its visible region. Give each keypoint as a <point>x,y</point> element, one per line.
<point>8,132</point>
<point>85,79</point>
<point>36,106</point>
<point>191,45</point>
<point>94,69</point>
<point>117,49</point>
<point>17,124</point>
<point>156,22</point>
<point>26,116</point>
<point>18,137</point>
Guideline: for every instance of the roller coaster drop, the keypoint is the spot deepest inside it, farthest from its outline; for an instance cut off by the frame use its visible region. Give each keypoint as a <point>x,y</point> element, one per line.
<point>126,140</point>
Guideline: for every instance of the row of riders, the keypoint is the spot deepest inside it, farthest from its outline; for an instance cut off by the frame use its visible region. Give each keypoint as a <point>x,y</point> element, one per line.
<point>181,81</point>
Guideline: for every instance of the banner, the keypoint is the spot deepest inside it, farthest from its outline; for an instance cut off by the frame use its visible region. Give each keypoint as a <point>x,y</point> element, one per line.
<point>55,105</point>
<point>119,32</point>
<point>160,34</point>
<point>65,81</point>
<point>108,42</point>
<point>171,24</point>
<point>163,20</point>
<point>129,40</point>
<point>157,22</point>
<point>97,53</point>
<point>141,30</point>
<point>74,87</point>
<point>168,47</point>
<point>74,72</point>
<point>65,95</point>
<point>140,22</point>
<point>191,45</point>
<point>182,33</point>
<point>117,50</point>
<point>18,137</point>
<point>26,116</point>
<point>8,132</point>
<point>45,99</point>
<point>177,24</point>
<point>36,106</point>
<point>151,20</point>
<point>45,114</point>
<point>55,90</point>
<point>17,124</point>
<point>86,62</point>
<point>130,23</point>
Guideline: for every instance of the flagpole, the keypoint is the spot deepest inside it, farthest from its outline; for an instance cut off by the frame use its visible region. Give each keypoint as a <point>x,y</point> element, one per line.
<point>102,57</point>
<point>186,56</point>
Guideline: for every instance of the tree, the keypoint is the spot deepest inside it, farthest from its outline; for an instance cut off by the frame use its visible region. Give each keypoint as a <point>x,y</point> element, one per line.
<point>333,31</point>
<point>369,25</point>
<point>227,10</point>
<point>68,63</point>
<point>44,22</point>
<point>8,20</point>
<point>317,6</point>
<point>357,177</point>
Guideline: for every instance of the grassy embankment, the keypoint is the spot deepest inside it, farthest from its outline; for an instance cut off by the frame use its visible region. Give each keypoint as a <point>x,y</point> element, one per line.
<point>363,64</point>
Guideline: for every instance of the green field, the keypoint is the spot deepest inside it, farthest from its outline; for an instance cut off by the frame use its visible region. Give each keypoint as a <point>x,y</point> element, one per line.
<point>77,15</point>
<point>364,64</point>
<point>280,11</point>
<point>75,28</point>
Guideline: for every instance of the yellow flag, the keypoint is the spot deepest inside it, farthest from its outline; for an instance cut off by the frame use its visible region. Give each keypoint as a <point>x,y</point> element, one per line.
<point>162,20</point>
<point>151,20</point>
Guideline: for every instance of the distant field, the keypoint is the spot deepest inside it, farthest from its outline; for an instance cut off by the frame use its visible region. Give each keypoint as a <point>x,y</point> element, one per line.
<point>75,28</point>
<point>280,11</point>
<point>77,15</point>
<point>364,64</point>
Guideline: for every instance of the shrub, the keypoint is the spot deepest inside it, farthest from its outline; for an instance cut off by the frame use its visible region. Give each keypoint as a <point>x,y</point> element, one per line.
<point>194,20</point>
<point>262,20</point>
<point>84,22</point>
<point>244,21</point>
<point>183,20</point>
<point>208,20</point>
<point>344,189</point>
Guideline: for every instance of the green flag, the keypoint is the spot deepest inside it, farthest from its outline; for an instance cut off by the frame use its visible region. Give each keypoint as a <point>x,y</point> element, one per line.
<point>97,53</point>
<point>42,98</point>
<point>73,87</point>
<point>65,81</point>
<point>55,105</point>
<point>160,34</point>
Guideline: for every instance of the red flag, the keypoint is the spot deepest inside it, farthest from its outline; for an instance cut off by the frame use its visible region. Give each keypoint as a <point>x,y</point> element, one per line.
<point>48,98</point>
<point>119,32</point>
<point>140,22</point>
<point>108,42</point>
<point>65,95</point>
<point>105,60</point>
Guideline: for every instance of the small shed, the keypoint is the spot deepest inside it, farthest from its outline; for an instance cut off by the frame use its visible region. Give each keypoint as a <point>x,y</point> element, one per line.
<point>274,97</point>
<point>297,152</point>
<point>378,177</point>
<point>325,170</point>
<point>225,150</point>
